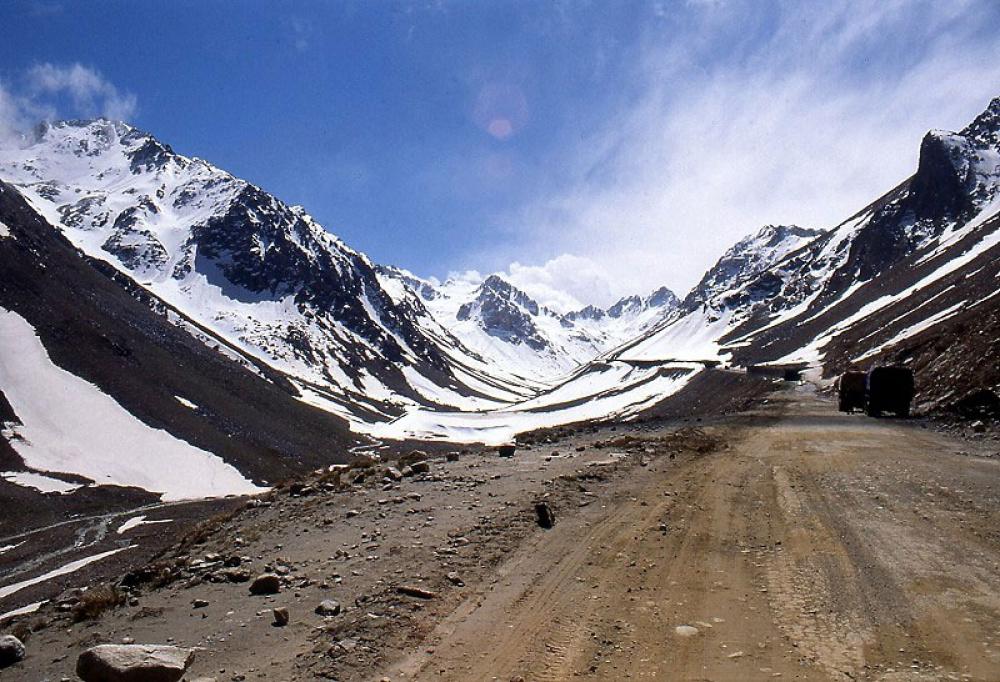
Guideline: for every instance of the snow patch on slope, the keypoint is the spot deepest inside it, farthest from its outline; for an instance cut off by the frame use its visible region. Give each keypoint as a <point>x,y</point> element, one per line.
<point>71,567</point>
<point>69,425</point>
<point>616,390</point>
<point>40,482</point>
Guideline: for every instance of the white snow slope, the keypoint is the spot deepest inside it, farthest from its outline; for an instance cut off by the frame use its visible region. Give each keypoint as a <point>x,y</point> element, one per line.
<point>598,391</point>
<point>70,426</point>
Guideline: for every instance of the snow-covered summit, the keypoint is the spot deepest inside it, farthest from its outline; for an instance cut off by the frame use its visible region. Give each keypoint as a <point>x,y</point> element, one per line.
<point>261,274</point>
<point>506,327</point>
<point>747,259</point>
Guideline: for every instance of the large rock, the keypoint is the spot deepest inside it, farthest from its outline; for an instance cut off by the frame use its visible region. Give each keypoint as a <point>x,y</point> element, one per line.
<point>544,515</point>
<point>266,584</point>
<point>133,663</point>
<point>328,607</point>
<point>420,467</point>
<point>11,651</point>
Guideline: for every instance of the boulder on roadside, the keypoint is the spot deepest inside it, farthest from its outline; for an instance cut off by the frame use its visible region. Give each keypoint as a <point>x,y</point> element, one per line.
<point>413,456</point>
<point>133,663</point>
<point>328,607</point>
<point>420,467</point>
<point>268,583</point>
<point>544,515</point>
<point>11,651</point>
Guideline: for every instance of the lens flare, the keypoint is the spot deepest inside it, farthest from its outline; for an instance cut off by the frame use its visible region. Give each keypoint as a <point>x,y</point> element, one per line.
<point>501,110</point>
<point>500,128</point>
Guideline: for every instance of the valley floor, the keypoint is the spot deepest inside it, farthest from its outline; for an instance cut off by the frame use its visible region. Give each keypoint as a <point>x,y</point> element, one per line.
<point>787,542</point>
<point>820,546</point>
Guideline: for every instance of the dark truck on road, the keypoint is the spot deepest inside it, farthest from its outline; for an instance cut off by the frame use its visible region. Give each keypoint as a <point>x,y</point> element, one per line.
<point>888,389</point>
<point>851,391</point>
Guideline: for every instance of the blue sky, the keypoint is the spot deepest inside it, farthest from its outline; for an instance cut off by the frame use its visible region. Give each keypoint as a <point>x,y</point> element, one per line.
<point>588,149</point>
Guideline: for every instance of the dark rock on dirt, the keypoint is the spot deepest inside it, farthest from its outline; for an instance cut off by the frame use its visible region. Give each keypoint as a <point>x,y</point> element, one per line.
<point>544,515</point>
<point>280,614</point>
<point>133,663</point>
<point>411,457</point>
<point>506,450</point>
<point>11,651</point>
<point>420,467</point>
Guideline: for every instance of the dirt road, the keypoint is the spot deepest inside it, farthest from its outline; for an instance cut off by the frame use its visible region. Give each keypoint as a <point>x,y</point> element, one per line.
<point>790,542</point>
<point>818,546</point>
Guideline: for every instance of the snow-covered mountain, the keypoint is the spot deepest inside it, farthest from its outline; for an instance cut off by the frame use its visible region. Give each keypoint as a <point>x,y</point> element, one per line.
<point>402,356</point>
<point>505,327</point>
<point>883,284</point>
<point>97,389</point>
<point>265,283</point>
<point>745,261</point>
<point>257,273</point>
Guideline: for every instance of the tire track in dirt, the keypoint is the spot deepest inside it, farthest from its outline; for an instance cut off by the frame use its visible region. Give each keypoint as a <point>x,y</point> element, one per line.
<point>816,547</point>
<point>548,612</point>
<point>813,588</point>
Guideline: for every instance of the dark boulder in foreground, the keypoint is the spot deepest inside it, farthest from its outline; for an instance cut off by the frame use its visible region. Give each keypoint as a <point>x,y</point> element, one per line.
<point>544,515</point>
<point>11,651</point>
<point>133,663</point>
<point>506,450</point>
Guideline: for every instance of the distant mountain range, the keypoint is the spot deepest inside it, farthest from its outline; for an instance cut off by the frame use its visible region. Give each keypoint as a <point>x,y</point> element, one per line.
<point>119,254</point>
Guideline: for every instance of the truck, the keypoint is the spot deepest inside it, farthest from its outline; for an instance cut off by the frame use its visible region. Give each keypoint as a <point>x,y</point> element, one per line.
<point>888,388</point>
<point>851,391</point>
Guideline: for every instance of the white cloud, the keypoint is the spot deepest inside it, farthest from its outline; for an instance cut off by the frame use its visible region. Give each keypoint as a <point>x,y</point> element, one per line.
<point>37,95</point>
<point>11,115</point>
<point>300,33</point>
<point>800,129</point>
<point>473,277</point>
<point>90,93</point>
<point>564,283</point>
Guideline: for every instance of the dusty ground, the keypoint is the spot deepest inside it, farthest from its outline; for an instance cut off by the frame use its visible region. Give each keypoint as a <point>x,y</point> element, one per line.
<point>789,542</point>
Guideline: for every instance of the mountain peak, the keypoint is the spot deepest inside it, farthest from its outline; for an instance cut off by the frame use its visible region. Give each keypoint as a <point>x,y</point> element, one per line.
<point>985,128</point>
<point>748,258</point>
<point>504,311</point>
